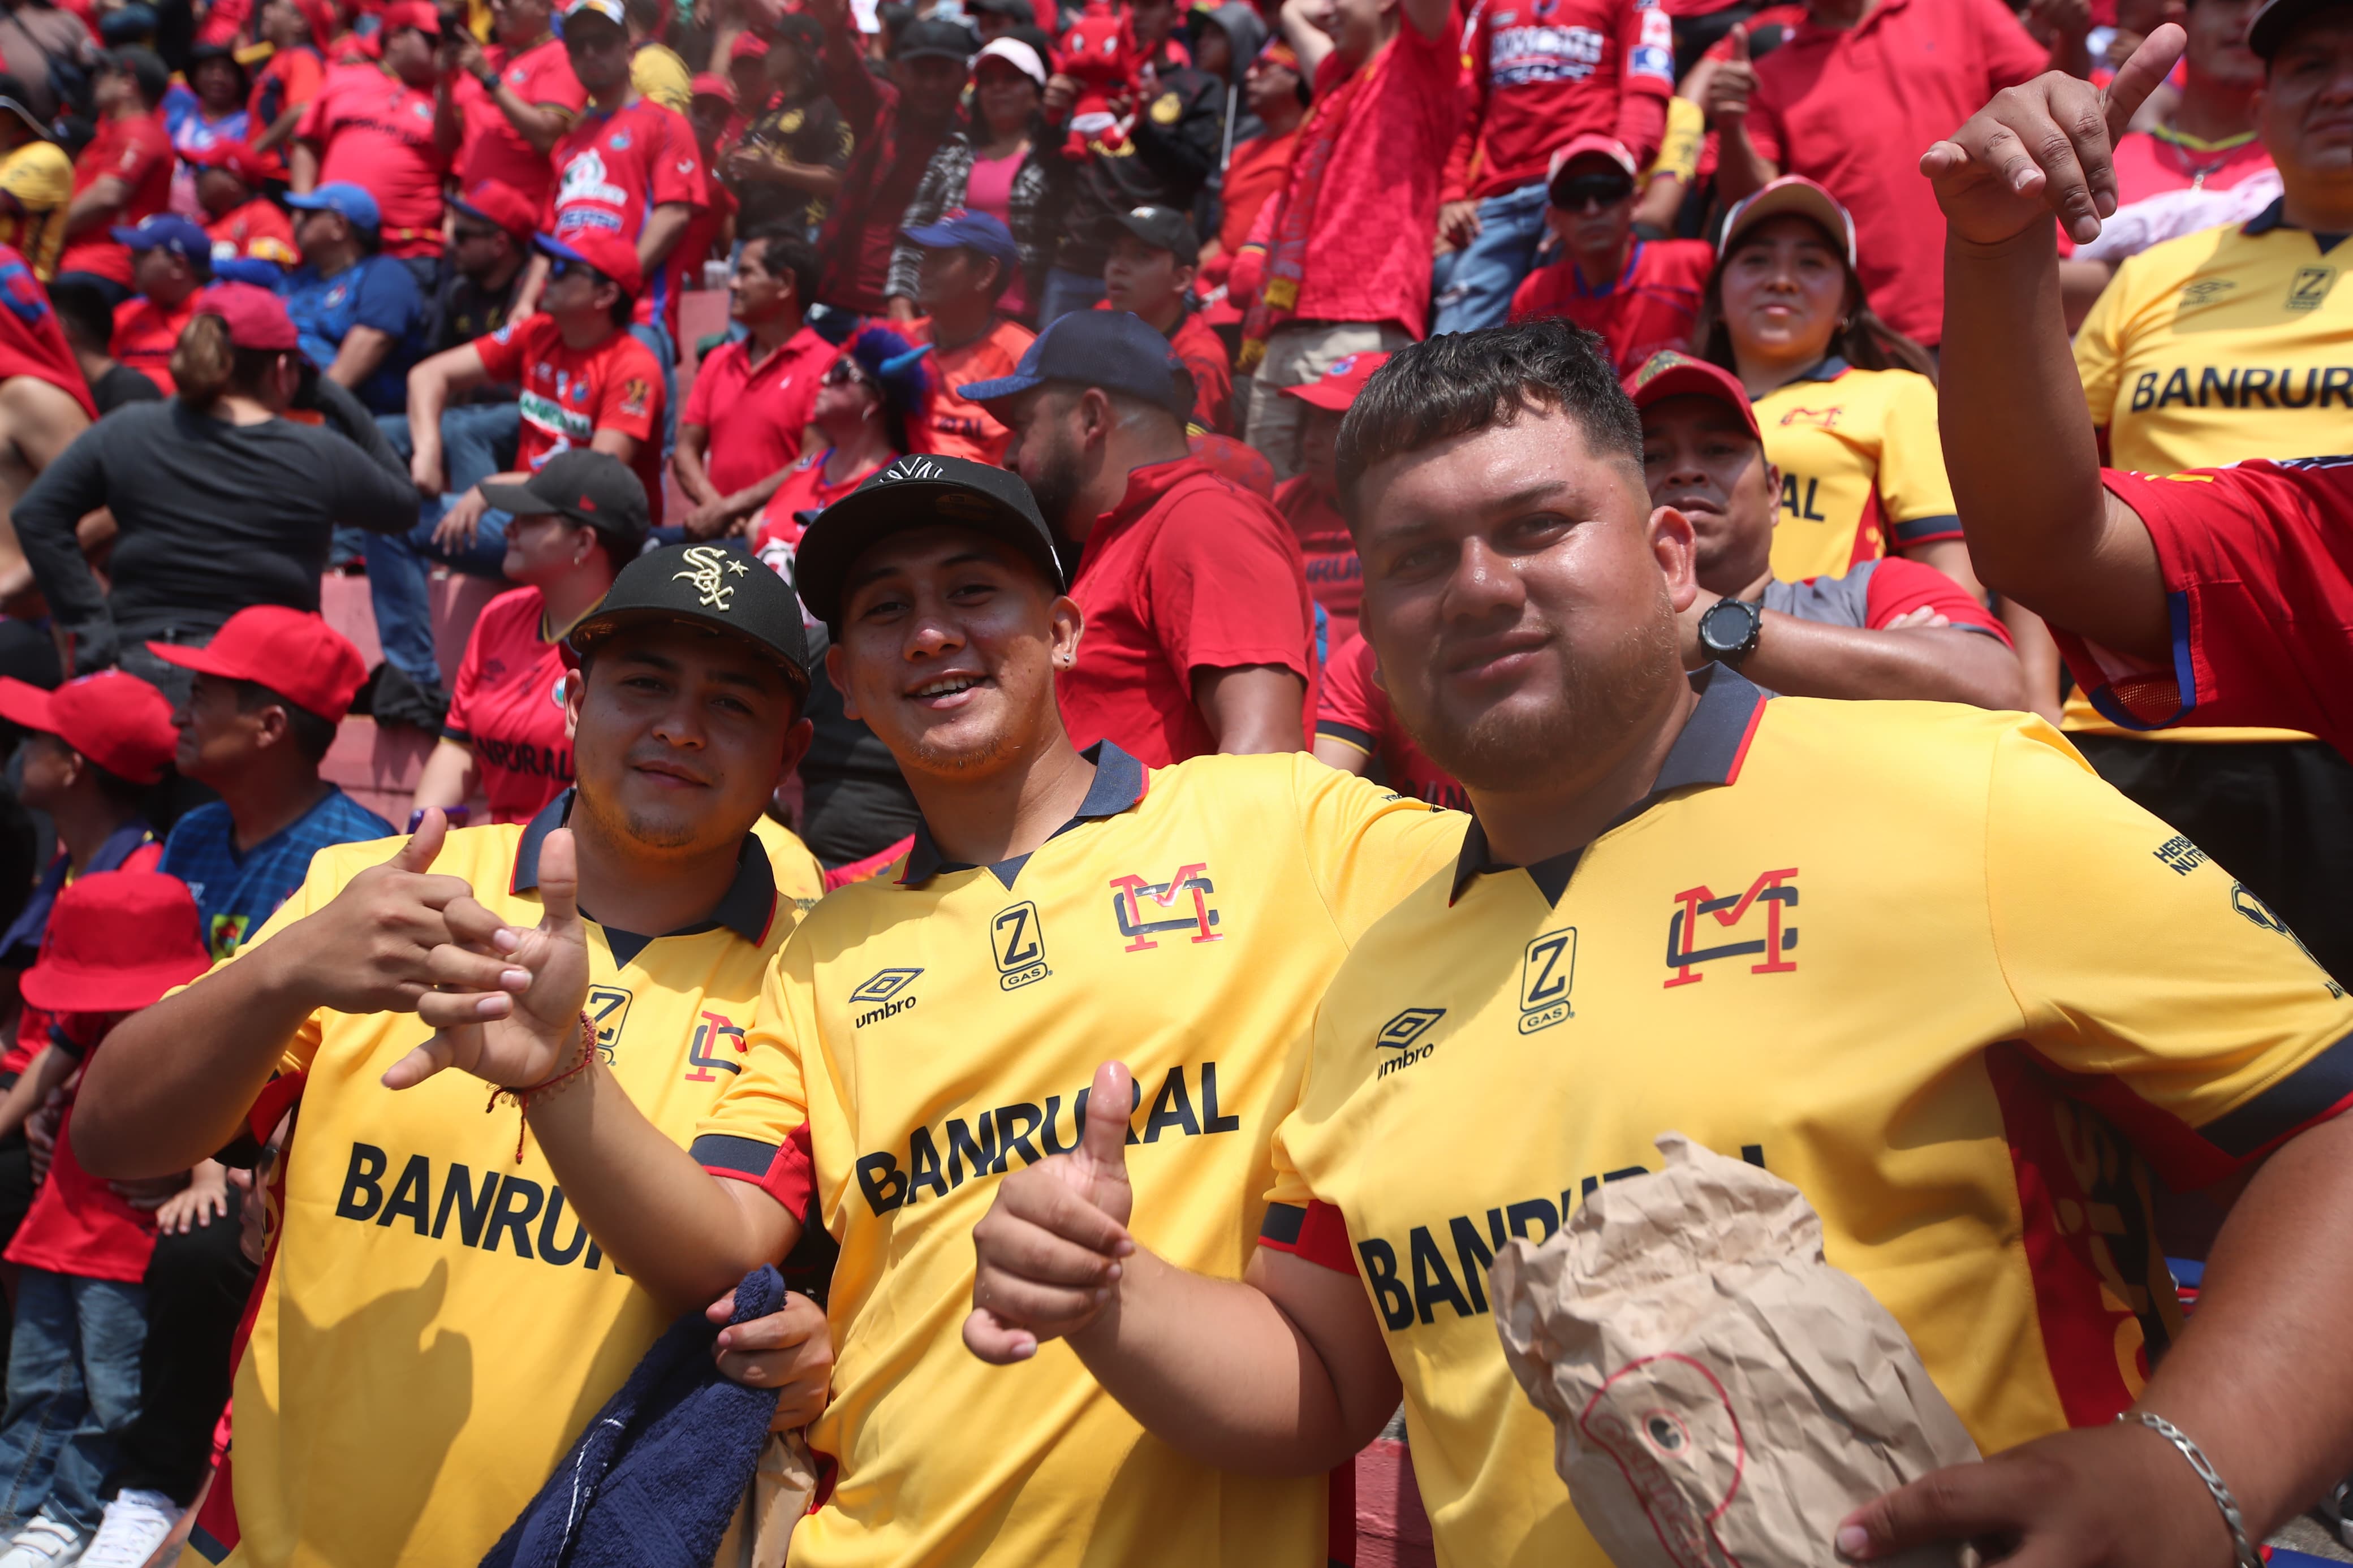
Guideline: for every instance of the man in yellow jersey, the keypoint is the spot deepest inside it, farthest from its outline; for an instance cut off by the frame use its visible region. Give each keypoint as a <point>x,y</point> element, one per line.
<point>928,1032</point>
<point>452,1298</point>
<point>1616,955</point>
<point>2228,344</point>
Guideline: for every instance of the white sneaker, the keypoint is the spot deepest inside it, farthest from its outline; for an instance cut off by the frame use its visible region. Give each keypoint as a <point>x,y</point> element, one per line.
<point>136,1523</point>
<point>44,1543</point>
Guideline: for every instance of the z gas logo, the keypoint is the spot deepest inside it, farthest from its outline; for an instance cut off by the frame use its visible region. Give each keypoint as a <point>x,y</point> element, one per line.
<point>1770,889</point>
<point>1187,890</point>
<point>1400,1035</point>
<point>1545,971</point>
<point>1016,940</point>
<point>608,1011</point>
<point>879,996</point>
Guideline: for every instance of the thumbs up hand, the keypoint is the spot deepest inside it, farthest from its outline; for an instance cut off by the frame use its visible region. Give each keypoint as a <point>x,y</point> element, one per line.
<point>1050,1247</point>
<point>368,951</point>
<point>1733,83</point>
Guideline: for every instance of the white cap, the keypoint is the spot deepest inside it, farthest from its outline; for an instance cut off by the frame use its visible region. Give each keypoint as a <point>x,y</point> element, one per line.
<point>1017,55</point>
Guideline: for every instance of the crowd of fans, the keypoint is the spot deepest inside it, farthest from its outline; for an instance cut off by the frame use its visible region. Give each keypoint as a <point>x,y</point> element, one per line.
<point>299,290</point>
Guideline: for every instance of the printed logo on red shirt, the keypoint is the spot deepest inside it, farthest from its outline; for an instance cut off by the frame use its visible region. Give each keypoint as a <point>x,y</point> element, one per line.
<point>585,180</point>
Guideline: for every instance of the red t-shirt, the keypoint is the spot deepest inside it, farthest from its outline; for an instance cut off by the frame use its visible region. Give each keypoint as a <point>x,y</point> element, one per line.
<point>957,427</point>
<point>137,150</point>
<point>1546,72</point>
<point>32,340</point>
<point>1356,711</point>
<point>508,705</point>
<point>2258,566</point>
<point>1654,305</point>
<point>612,171</point>
<point>259,228</point>
<point>805,492</point>
<point>79,1225</point>
<point>755,412</point>
<point>373,130</point>
<point>1368,252</point>
<point>1189,572</point>
<point>2149,164</point>
<point>569,394</point>
<point>492,149</point>
<point>145,334</point>
<point>291,80</point>
<point>1335,577</point>
<point>1909,72</point>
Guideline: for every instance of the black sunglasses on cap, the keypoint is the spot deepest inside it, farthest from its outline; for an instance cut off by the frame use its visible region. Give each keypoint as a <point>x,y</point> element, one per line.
<point>1591,191</point>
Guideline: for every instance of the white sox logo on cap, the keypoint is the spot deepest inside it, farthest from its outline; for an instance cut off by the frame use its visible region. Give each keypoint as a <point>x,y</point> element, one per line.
<point>912,469</point>
<point>704,564</point>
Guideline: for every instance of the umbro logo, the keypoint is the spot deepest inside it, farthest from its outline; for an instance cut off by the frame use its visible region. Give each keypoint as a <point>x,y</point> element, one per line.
<point>1403,1034</point>
<point>879,996</point>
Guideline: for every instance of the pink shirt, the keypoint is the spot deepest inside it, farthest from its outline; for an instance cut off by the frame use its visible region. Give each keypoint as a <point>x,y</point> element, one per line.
<point>990,191</point>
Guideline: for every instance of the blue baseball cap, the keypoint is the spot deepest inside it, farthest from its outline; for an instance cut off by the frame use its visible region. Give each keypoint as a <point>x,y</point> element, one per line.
<point>961,229</point>
<point>1115,350</point>
<point>353,201</point>
<point>167,231</point>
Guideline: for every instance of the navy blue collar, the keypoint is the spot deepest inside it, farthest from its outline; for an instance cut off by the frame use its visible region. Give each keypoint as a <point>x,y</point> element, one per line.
<point>1709,751</point>
<point>2276,217</point>
<point>1118,786</point>
<point>120,845</point>
<point>749,905</point>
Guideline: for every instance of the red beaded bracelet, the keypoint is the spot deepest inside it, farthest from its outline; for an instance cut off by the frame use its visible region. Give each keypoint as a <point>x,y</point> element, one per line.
<point>523,1097</point>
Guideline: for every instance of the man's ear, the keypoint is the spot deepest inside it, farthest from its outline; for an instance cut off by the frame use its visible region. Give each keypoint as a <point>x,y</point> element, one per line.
<point>575,692</point>
<point>1096,415</point>
<point>1069,623</point>
<point>833,672</point>
<point>1185,276</point>
<point>274,725</point>
<point>1674,547</point>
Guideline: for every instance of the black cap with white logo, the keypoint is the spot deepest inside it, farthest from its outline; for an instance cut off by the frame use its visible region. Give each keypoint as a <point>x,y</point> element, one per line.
<point>709,585</point>
<point>912,492</point>
<point>1163,228</point>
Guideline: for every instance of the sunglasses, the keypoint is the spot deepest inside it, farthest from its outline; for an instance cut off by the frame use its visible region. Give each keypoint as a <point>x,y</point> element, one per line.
<point>462,233</point>
<point>1591,191</point>
<point>562,267</point>
<point>845,373</point>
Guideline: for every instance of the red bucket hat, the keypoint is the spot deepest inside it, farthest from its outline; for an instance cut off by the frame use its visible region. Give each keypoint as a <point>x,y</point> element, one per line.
<point>117,720</point>
<point>117,940</point>
<point>298,656</point>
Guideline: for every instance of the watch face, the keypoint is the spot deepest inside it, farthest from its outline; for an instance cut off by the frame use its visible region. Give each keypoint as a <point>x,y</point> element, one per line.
<point>1728,624</point>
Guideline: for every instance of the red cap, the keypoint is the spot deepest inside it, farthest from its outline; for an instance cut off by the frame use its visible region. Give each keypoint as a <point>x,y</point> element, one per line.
<point>748,45</point>
<point>298,656</point>
<point>500,205</point>
<point>1590,145</point>
<point>601,248</point>
<point>117,720</point>
<point>1671,375</point>
<point>414,14</point>
<point>257,318</point>
<point>116,942</point>
<point>711,84</point>
<point>1338,386</point>
<point>240,159</point>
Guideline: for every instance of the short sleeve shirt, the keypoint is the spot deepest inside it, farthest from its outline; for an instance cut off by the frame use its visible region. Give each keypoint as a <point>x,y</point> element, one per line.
<point>145,334</point>
<point>32,340</point>
<point>1188,572</point>
<point>236,890</point>
<point>1549,73</point>
<point>375,291</point>
<point>1653,304</point>
<point>755,412</point>
<point>492,148</point>
<point>79,1225</point>
<point>40,179</point>
<point>611,172</point>
<point>808,131</point>
<point>1622,990</point>
<point>1354,710</point>
<point>569,394</point>
<point>957,427</point>
<point>1862,469</point>
<point>291,80</point>
<point>373,130</point>
<point>507,706</point>
<point>258,230</point>
<point>1336,574</point>
<point>137,151</point>
<point>804,492</point>
<point>1875,592</point>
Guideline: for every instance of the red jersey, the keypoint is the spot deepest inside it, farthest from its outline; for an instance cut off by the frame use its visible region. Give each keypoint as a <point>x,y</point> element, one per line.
<point>2258,567</point>
<point>1364,185</point>
<point>144,335</point>
<point>291,80</point>
<point>611,172</point>
<point>377,131</point>
<point>805,492</point>
<point>492,149</point>
<point>755,412</point>
<point>1355,713</point>
<point>80,1225</point>
<point>1910,70</point>
<point>1335,577</point>
<point>569,394</point>
<point>136,149</point>
<point>959,428</point>
<point>1543,71</point>
<point>32,341</point>
<point>507,706</point>
<point>2151,162</point>
<point>1654,305</point>
<point>1204,353</point>
<point>258,230</point>
<point>1188,572</point>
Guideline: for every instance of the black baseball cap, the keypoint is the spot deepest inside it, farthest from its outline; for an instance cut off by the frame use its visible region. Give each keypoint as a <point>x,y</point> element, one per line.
<point>935,38</point>
<point>1115,350</point>
<point>1163,228</point>
<point>913,493</point>
<point>711,585</point>
<point>588,487</point>
<point>2272,24</point>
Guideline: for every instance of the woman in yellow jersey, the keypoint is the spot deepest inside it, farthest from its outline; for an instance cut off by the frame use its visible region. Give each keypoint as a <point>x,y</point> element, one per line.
<point>1847,403</point>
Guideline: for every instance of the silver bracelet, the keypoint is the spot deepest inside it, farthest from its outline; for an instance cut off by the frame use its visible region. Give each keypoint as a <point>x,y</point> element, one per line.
<point>2241,1548</point>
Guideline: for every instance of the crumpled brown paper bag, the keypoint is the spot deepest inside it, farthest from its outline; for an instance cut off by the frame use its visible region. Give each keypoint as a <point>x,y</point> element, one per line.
<point>773,1504</point>
<point>1722,1395</point>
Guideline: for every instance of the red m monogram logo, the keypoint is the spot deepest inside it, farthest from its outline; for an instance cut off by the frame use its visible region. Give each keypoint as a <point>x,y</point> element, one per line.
<point>1772,890</point>
<point>1137,905</point>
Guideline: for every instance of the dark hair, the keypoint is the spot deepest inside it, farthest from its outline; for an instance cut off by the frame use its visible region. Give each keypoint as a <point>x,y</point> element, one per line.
<point>1865,342</point>
<point>1463,381</point>
<point>206,364</point>
<point>119,792</point>
<point>625,310</point>
<point>788,252</point>
<point>82,308</point>
<point>311,733</point>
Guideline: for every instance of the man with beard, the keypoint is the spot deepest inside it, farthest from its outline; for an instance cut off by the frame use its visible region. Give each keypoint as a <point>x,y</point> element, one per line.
<point>1509,1038</point>
<point>929,1030</point>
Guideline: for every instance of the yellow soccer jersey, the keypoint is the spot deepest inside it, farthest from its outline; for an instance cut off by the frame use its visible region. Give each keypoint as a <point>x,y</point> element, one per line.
<point>922,1035</point>
<point>1914,958</point>
<point>1862,469</point>
<point>437,1328</point>
<point>799,877</point>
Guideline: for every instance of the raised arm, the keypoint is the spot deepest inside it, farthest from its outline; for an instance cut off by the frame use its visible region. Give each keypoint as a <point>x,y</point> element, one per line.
<point>2024,463</point>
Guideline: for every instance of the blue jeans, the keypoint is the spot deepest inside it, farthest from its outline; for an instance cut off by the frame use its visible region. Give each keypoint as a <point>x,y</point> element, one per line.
<point>656,337</point>
<point>477,439</point>
<point>1478,293</point>
<point>73,1391</point>
<point>1066,292</point>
